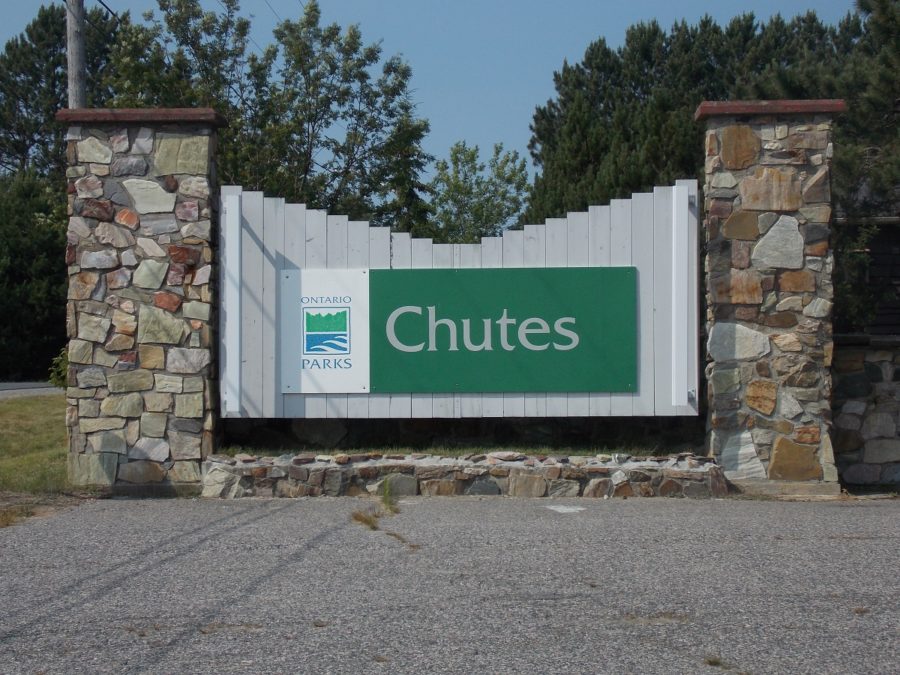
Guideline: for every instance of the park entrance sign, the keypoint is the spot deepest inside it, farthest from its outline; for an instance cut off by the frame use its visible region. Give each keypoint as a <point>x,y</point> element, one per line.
<point>459,330</point>
<point>504,330</point>
<point>594,314</point>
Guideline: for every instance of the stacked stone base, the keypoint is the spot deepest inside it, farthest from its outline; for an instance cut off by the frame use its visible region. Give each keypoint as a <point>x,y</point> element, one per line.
<point>500,473</point>
<point>141,298</point>
<point>867,412</point>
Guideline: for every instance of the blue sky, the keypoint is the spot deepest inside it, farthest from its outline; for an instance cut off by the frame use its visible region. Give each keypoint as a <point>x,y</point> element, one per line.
<point>479,66</point>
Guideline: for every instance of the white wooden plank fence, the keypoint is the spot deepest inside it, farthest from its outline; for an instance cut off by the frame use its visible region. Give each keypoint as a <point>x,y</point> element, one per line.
<point>653,232</point>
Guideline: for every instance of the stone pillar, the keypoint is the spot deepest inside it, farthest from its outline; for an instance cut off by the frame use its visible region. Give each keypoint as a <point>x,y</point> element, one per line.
<point>769,287</point>
<point>140,313</point>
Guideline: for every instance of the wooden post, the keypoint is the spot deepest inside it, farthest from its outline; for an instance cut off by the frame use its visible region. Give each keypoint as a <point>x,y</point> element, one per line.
<point>75,52</point>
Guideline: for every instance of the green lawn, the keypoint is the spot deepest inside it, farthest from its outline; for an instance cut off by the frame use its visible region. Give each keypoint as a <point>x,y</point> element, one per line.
<point>33,444</point>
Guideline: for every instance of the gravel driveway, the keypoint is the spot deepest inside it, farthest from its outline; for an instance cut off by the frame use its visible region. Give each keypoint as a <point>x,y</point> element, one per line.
<point>464,585</point>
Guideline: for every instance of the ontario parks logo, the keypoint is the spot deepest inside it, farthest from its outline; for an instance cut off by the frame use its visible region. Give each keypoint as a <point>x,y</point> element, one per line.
<point>326,330</point>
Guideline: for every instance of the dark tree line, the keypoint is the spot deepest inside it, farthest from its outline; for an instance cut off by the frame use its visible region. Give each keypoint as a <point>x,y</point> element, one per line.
<point>32,186</point>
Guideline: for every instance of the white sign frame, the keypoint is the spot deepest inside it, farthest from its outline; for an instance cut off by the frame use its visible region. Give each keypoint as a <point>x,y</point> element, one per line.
<point>334,362</point>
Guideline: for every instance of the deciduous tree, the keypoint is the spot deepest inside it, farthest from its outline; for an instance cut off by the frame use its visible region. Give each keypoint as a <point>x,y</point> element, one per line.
<point>473,200</point>
<point>319,116</point>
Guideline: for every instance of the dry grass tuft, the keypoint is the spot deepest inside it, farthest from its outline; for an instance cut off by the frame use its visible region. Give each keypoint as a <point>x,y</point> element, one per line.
<point>368,518</point>
<point>403,540</point>
<point>13,514</point>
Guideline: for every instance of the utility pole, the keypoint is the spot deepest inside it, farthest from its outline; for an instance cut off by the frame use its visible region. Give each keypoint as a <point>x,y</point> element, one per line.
<point>75,52</point>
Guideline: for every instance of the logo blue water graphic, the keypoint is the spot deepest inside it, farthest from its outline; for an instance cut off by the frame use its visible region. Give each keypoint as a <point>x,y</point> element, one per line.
<point>327,343</point>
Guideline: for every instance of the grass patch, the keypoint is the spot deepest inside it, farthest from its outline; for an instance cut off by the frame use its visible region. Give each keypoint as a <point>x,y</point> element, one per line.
<point>33,444</point>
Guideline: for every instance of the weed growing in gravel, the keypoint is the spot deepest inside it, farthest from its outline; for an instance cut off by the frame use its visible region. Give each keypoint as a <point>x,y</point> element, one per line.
<point>387,498</point>
<point>388,506</point>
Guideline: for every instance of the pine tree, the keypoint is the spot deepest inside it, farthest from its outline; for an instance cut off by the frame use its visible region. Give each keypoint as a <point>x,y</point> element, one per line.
<point>33,88</point>
<point>32,275</point>
<point>32,198</point>
<point>622,119</point>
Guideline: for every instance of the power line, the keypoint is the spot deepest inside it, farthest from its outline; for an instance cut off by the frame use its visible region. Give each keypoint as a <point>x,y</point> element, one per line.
<point>109,9</point>
<point>262,52</point>
<point>273,9</point>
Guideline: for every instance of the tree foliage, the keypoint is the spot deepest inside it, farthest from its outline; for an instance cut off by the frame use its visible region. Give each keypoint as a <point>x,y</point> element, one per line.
<point>866,181</point>
<point>32,279</point>
<point>321,117</point>
<point>474,200</point>
<point>317,117</point>
<point>33,88</point>
<point>622,119</point>
<point>32,197</point>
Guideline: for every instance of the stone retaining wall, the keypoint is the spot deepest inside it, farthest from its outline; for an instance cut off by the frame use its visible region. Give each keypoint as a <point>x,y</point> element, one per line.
<point>867,412</point>
<point>498,473</point>
<point>141,299</point>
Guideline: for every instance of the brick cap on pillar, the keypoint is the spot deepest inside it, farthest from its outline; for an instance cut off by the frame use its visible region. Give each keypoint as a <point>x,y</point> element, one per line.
<point>783,107</point>
<point>141,116</point>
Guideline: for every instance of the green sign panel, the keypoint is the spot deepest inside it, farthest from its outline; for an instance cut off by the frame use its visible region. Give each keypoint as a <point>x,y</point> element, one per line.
<point>503,330</point>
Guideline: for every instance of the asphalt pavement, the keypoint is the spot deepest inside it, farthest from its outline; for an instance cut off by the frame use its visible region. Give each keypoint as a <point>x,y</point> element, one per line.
<point>21,389</point>
<point>463,585</point>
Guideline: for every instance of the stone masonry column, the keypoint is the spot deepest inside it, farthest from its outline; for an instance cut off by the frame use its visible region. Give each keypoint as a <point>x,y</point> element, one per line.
<point>140,314</point>
<point>769,287</point>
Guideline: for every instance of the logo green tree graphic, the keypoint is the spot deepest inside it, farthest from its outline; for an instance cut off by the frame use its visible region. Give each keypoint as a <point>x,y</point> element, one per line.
<point>326,323</point>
